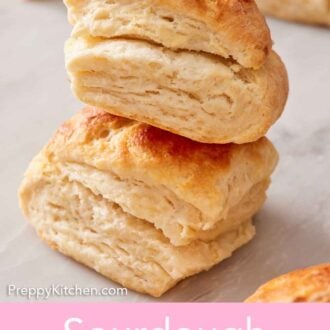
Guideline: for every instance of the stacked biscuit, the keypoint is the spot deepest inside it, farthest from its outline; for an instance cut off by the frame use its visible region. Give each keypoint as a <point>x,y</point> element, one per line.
<point>163,182</point>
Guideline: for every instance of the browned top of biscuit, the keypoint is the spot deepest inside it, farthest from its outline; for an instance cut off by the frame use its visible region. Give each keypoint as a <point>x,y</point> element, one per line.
<point>92,124</point>
<point>199,173</point>
<point>243,29</point>
<point>163,143</point>
<point>306,285</point>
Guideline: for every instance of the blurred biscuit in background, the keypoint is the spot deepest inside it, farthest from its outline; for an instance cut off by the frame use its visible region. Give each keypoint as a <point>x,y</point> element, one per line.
<point>306,285</point>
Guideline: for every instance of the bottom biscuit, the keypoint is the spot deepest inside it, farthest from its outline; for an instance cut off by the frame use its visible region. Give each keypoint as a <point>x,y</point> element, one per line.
<point>98,233</point>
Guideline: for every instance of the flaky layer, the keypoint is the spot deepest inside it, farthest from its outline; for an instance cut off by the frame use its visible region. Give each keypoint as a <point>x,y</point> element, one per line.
<point>187,189</point>
<point>305,11</point>
<point>231,29</point>
<point>180,221</point>
<point>306,285</point>
<point>195,95</point>
<point>74,220</point>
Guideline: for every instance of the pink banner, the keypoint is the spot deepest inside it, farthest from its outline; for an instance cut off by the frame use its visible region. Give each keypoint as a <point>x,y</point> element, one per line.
<point>164,317</point>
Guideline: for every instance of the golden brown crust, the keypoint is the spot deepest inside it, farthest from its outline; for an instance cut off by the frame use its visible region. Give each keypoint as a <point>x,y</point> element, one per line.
<point>306,285</point>
<point>241,27</point>
<point>157,142</point>
<point>159,148</point>
<point>91,123</point>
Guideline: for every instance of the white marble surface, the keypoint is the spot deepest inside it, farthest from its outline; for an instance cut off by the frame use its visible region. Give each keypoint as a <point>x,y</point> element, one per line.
<point>294,225</point>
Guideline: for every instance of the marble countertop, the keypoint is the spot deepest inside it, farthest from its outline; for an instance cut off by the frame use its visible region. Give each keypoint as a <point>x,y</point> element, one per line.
<point>293,228</point>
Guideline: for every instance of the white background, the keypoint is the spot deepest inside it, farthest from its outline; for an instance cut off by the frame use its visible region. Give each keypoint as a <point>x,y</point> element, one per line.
<point>294,225</point>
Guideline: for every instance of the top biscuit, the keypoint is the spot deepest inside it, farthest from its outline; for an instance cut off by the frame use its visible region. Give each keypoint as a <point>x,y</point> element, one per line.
<point>306,285</point>
<point>228,28</point>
